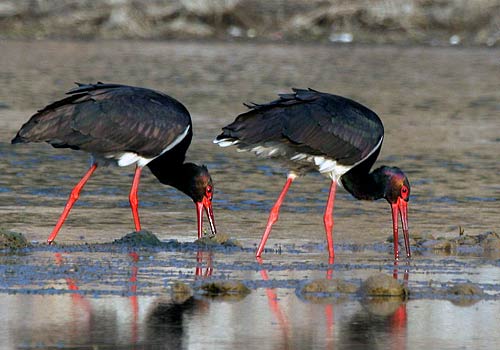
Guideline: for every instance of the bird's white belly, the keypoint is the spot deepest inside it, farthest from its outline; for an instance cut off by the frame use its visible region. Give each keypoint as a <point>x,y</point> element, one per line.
<point>326,166</point>
<point>299,162</point>
<point>129,158</point>
<point>296,161</point>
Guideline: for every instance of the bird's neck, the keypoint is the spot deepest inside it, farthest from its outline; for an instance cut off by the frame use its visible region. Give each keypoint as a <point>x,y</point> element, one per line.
<point>364,185</point>
<point>172,173</point>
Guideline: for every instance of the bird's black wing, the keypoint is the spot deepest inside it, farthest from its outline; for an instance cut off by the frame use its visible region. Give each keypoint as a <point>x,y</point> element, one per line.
<point>108,118</point>
<point>310,122</point>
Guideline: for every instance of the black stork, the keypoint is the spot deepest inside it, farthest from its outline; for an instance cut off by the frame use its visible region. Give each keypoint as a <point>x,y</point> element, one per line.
<point>124,125</point>
<point>309,131</point>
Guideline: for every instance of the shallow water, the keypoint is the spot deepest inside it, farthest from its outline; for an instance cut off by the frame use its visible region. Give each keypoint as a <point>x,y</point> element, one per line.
<point>440,108</point>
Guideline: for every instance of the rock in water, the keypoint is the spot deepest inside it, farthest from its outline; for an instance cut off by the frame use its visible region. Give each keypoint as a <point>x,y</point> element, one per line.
<point>329,286</point>
<point>224,288</point>
<point>12,240</point>
<point>465,289</point>
<point>465,294</point>
<point>139,238</point>
<point>218,239</point>
<point>383,285</point>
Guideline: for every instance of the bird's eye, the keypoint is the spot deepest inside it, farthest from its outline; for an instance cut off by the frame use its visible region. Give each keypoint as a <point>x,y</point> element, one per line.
<point>404,192</point>
<point>209,192</point>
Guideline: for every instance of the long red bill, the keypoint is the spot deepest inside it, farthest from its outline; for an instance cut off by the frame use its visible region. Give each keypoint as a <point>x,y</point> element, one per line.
<point>207,204</point>
<point>400,208</point>
<point>403,212</point>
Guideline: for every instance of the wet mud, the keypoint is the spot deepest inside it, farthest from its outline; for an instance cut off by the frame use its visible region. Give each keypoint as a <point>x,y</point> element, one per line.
<point>484,242</point>
<point>139,238</point>
<point>26,260</point>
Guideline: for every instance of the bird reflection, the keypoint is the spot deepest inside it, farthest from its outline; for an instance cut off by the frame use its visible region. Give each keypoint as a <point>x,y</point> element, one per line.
<point>272,298</point>
<point>377,319</point>
<point>282,318</point>
<point>79,302</point>
<point>382,323</point>
<point>165,325</point>
<point>94,319</point>
<point>399,318</point>
<point>134,302</point>
<point>199,263</point>
<point>76,296</point>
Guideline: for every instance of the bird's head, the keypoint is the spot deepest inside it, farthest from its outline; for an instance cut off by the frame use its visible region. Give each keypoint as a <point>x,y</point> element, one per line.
<point>397,193</point>
<point>194,181</point>
<point>201,190</point>
<point>397,186</point>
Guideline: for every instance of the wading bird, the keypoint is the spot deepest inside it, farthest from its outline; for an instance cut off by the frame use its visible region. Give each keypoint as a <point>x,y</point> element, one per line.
<point>309,131</point>
<point>125,125</point>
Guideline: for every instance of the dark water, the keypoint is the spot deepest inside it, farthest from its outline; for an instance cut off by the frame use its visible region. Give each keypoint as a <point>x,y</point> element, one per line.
<point>440,108</point>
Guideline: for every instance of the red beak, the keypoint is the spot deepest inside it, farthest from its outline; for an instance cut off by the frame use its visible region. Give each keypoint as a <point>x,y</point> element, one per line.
<point>401,208</point>
<point>207,204</point>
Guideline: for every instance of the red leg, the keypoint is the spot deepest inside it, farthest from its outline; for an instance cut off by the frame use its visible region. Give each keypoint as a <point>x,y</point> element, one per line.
<point>274,214</point>
<point>134,201</point>
<point>75,193</point>
<point>395,234</point>
<point>328,220</point>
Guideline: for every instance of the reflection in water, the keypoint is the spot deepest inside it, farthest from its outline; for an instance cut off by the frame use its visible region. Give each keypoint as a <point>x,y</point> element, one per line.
<point>82,307</point>
<point>380,324</point>
<point>199,260</point>
<point>166,326</point>
<point>134,302</point>
<point>272,298</point>
<point>163,326</point>
<point>80,316</point>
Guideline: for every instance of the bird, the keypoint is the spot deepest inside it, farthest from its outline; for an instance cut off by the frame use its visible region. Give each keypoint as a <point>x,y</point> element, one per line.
<point>124,125</point>
<point>308,130</point>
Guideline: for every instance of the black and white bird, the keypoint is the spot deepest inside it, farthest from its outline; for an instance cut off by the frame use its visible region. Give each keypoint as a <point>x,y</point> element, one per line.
<point>309,131</point>
<point>125,125</point>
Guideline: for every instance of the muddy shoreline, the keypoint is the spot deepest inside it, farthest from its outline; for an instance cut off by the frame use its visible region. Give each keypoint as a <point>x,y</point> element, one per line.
<point>82,261</point>
<point>408,22</point>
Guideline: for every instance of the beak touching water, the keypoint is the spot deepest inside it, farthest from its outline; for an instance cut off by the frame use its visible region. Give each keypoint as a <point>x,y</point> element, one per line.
<point>401,208</point>
<point>206,204</point>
